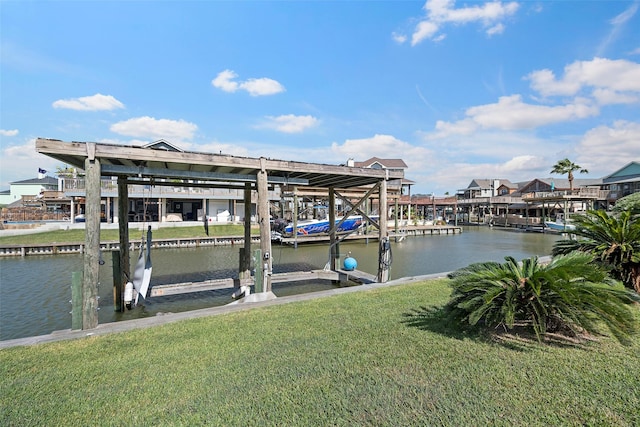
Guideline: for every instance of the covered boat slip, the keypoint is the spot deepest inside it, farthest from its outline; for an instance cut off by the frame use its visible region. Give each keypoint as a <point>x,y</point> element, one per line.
<point>152,166</point>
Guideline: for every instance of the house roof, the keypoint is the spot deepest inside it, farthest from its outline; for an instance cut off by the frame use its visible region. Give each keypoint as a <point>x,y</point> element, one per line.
<point>558,183</point>
<point>162,144</point>
<point>577,182</point>
<point>488,183</point>
<point>507,183</point>
<point>47,180</point>
<point>385,163</point>
<point>629,171</point>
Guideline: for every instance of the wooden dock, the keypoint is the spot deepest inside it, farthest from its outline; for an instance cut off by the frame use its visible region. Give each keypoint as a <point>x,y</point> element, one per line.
<point>296,276</point>
<point>413,230</point>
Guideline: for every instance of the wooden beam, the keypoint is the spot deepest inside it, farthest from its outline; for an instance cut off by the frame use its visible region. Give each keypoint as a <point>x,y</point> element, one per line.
<point>265,228</point>
<point>186,174</point>
<point>92,245</point>
<point>334,250</point>
<point>123,232</point>
<point>245,262</point>
<point>383,210</point>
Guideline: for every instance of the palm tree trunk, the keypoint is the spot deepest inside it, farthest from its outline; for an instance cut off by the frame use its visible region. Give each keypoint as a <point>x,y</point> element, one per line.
<point>635,277</point>
<point>570,182</point>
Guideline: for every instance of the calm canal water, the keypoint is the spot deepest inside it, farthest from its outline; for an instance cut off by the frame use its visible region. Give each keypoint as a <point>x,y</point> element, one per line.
<point>35,291</point>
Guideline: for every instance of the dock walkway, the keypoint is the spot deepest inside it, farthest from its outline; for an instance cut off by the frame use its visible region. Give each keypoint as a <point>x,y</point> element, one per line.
<point>411,230</point>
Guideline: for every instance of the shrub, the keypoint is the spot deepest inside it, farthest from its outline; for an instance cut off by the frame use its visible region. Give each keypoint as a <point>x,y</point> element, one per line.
<point>613,240</point>
<point>570,294</point>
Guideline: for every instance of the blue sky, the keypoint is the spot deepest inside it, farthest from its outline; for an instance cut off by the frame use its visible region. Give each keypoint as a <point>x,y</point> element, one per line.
<point>458,90</point>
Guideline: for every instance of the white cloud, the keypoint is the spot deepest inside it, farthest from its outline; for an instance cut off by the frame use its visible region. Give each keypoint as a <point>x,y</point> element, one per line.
<point>262,86</point>
<point>12,132</point>
<point>608,97</point>
<point>610,147</point>
<point>416,157</point>
<point>217,147</point>
<point>600,73</point>
<point>617,24</point>
<point>399,38</point>
<point>424,30</point>
<point>97,102</point>
<point>289,123</point>
<point>225,80</point>
<point>21,161</point>
<point>150,127</point>
<point>496,29</point>
<point>511,113</point>
<point>441,12</point>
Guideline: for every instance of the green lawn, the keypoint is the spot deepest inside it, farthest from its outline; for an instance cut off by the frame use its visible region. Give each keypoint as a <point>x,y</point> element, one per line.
<point>351,359</point>
<point>77,235</point>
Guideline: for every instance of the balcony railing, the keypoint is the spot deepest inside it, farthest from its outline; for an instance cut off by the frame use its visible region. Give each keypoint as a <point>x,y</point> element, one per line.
<point>587,193</point>
<point>110,187</point>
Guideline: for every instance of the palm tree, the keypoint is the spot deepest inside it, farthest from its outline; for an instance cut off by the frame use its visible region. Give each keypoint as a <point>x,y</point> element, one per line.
<point>571,293</point>
<point>613,240</point>
<point>566,166</point>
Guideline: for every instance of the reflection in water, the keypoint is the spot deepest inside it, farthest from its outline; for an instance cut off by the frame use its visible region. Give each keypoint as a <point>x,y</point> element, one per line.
<point>35,291</point>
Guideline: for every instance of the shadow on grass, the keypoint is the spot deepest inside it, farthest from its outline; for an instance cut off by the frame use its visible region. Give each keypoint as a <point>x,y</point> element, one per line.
<point>520,338</point>
<point>436,319</point>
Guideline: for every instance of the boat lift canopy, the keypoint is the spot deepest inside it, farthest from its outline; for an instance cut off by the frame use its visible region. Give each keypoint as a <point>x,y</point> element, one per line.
<point>156,163</point>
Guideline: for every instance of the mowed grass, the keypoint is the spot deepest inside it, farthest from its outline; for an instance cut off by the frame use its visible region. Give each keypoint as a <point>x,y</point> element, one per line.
<point>345,360</point>
<point>106,235</point>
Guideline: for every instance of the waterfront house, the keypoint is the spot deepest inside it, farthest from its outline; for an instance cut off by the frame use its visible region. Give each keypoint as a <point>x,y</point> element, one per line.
<point>28,188</point>
<point>622,182</point>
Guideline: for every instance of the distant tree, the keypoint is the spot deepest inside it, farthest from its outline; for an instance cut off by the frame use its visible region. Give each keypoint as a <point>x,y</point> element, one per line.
<point>628,203</point>
<point>571,293</point>
<point>566,166</point>
<point>614,241</point>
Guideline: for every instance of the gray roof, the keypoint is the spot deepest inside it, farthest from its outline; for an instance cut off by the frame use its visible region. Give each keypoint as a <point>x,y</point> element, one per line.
<point>387,163</point>
<point>488,183</point>
<point>47,180</point>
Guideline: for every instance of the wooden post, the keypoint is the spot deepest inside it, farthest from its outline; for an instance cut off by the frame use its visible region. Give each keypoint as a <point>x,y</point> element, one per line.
<point>334,251</point>
<point>295,217</point>
<point>265,226</point>
<point>395,215</point>
<point>76,300</point>
<point>245,257</point>
<point>123,230</point>
<point>117,281</point>
<point>383,209</point>
<point>92,241</point>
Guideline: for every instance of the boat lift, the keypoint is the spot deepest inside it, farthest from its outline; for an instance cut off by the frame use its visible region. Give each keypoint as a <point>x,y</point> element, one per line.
<point>144,165</point>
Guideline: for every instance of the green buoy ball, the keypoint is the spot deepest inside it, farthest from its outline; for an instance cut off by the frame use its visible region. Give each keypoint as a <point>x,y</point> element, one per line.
<point>350,264</point>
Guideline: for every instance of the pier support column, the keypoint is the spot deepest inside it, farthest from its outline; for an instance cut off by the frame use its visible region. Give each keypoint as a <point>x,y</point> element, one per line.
<point>265,226</point>
<point>92,241</point>
<point>295,217</point>
<point>72,217</point>
<point>334,250</point>
<point>245,258</point>
<point>123,232</point>
<point>383,210</point>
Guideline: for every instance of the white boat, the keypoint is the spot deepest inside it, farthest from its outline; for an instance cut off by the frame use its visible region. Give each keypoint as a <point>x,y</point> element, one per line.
<point>318,226</point>
<point>560,225</point>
